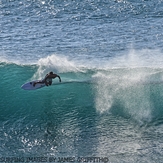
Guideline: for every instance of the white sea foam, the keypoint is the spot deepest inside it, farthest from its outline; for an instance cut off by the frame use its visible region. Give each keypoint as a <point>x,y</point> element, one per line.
<point>138,58</point>
<point>121,91</point>
<point>55,63</point>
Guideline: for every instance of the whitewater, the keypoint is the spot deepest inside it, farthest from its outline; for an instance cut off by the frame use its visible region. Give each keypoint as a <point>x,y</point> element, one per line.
<point>108,107</point>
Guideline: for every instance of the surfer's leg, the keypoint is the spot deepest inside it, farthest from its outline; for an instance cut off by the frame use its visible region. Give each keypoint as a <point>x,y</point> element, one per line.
<point>41,82</point>
<point>50,83</point>
<point>34,84</point>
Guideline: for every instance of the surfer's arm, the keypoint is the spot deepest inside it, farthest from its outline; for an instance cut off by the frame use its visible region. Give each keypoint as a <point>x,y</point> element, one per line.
<point>55,75</point>
<point>59,78</point>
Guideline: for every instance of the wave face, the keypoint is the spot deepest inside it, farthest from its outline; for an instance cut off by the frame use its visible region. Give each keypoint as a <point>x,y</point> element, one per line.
<point>92,108</point>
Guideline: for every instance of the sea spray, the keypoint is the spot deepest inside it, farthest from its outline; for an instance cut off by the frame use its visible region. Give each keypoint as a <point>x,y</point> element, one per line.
<point>57,64</point>
<point>125,92</point>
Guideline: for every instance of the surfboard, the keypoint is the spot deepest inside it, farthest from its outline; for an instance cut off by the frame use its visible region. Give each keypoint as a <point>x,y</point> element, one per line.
<point>29,85</point>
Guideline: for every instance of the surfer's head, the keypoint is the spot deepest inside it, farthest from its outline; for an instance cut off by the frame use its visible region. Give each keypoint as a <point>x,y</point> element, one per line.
<point>51,73</point>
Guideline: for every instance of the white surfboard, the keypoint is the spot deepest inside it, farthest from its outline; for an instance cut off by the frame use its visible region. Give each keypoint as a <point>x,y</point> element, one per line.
<point>29,85</point>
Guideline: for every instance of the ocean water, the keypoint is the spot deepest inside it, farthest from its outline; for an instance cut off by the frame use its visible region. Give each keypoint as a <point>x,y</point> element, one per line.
<point>109,105</point>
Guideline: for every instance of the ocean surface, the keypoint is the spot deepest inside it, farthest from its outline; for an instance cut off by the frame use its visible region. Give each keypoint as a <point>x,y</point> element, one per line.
<point>109,105</point>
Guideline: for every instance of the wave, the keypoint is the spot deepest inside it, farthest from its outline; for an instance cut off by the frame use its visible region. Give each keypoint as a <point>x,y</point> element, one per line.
<point>134,93</point>
<point>73,114</point>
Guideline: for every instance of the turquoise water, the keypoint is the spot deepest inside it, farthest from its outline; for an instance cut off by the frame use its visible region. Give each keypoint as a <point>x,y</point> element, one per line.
<point>109,104</point>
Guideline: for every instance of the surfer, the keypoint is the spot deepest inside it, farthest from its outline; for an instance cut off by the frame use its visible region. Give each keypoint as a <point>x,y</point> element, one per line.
<point>48,79</point>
